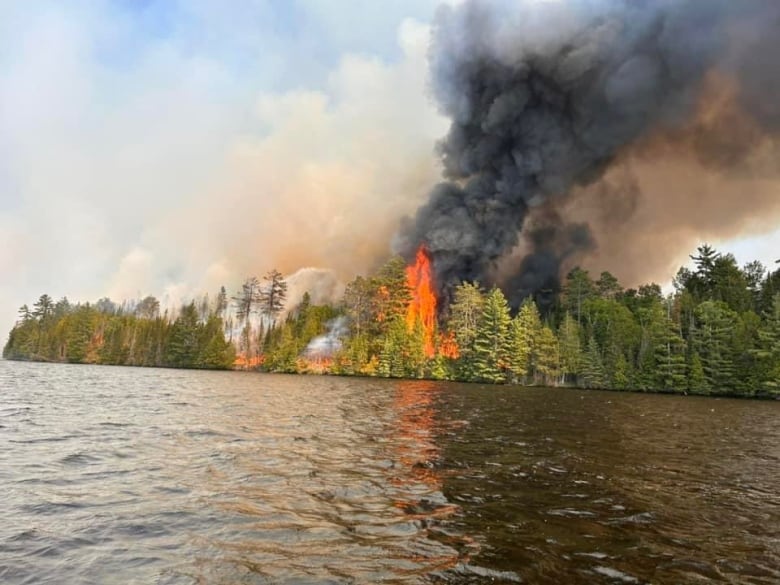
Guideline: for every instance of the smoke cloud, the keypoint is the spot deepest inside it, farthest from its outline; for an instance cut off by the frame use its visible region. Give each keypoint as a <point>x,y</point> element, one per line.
<point>171,148</point>
<point>604,128</point>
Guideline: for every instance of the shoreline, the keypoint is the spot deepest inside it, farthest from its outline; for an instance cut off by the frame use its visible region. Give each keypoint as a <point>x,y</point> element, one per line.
<point>730,395</point>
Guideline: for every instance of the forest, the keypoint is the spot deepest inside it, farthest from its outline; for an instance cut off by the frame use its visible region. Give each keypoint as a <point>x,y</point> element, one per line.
<point>717,333</point>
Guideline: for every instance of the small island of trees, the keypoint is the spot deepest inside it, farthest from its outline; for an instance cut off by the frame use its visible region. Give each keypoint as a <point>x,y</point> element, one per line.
<point>718,333</point>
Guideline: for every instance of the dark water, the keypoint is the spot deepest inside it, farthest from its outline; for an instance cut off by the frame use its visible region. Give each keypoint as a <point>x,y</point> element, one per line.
<point>121,475</point>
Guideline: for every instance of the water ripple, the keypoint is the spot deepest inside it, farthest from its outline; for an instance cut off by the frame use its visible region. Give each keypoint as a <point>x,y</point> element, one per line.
<point>121,475</point>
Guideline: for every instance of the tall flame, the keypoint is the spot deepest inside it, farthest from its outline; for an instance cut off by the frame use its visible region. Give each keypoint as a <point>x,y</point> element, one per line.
<point>422,307</point>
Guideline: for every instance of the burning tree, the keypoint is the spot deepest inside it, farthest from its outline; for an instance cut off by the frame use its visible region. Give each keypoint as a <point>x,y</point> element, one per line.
<point>422,307</point>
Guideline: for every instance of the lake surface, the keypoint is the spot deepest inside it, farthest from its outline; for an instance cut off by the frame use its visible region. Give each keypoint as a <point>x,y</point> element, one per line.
<point>123,475</point>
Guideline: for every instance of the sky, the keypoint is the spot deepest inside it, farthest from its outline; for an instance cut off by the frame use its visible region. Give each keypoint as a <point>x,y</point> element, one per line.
<point>171,147</point>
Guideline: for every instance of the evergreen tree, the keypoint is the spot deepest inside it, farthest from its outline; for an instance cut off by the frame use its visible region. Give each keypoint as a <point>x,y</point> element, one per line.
<point>697,380</point>
<point>358,304</point>
<point>247,303</point>
<point>465,318</point>
<point>712,339</point>
<point>608,286</point>
<point>390,296</point>
<point>769,348</point>
<point>593,373</point>
<point>184,345</point>
<point>577,289</point>
<point>669,353</point>
<point>524,337</point>
<point>491,346</point>
<point>273,294</point>
<point>569,339</point>
<point>547,365</point>
<point>221,303</point>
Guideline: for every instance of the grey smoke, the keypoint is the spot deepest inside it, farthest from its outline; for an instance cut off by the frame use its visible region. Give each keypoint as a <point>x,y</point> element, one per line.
<point>328,344</point>
<point>543,97</point>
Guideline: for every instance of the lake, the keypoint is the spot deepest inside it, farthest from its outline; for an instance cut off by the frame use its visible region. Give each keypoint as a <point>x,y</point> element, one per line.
<point>128,475</point>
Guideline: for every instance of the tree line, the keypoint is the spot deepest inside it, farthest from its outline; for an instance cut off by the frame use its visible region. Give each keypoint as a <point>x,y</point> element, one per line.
<point>198,335</point>
<point>717,333</point>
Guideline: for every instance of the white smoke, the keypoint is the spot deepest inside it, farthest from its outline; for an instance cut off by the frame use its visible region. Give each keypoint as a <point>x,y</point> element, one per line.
<point>327,345</point>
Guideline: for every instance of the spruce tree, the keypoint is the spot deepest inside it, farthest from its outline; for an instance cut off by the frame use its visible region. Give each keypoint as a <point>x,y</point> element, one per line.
<point>465,317</point>
<point>593,372</point>
<point>524,337</point>
<point>769,348</point>
<point>697,381</point>
<point>570,344</point>
<point>491,346</point>
<point>547,365</point>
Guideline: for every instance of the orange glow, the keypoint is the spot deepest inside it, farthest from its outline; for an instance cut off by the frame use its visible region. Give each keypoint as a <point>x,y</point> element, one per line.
<point>423,304</point>
<point>317,365</point>
<point>383,295</point>
<point>242,362</point>
<point>448,346</point>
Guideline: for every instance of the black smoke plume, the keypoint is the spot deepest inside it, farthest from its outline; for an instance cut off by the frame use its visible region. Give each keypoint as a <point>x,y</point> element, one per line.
<point>545,96</point>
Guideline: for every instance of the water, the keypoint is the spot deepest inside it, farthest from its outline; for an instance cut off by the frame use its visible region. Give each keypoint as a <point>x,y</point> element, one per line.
<point>121,475</point>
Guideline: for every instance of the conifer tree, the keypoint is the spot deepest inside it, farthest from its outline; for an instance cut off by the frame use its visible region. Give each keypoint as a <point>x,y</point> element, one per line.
<point>769,348</point>
<point>273,294</point>
<point>669,354</point>
<point>697,381</point>
<point>491,346</point>
<point>524,337</point>
<point>547,364</point>
<point>593,372</point>
<point>465,317</point>
<point>569,340</point>
<point>712,339</point>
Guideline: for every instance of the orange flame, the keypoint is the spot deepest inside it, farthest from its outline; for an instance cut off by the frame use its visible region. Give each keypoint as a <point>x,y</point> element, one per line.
<point>242,362</point>
<point>422,307</point>
<point>448,346</point>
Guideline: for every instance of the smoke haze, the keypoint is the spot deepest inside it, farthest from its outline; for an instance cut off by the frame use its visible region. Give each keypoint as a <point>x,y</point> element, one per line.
<point>169,148</point>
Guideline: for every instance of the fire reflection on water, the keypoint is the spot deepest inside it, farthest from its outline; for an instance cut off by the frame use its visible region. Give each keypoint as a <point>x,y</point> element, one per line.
<point>418,454</point>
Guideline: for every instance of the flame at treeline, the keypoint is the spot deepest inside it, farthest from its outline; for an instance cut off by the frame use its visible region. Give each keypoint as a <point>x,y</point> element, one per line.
<point>422,307</point>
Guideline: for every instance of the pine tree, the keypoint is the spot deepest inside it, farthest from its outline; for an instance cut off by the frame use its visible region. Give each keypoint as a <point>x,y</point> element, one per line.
<point>670,349</point>
<point>184,346</point>
<point>491,346</point>
<point>465,318</point>
<point>769,348</point>
<point>620,376</point>
<point>712,338</point>
<point>524,337</point>
<point>569,339</point>
<point>393,358</point>
<point>247,303</point>
<point>273,294</point>
<point>358,304</point>
<point>593,372</point>
<point>547,365</point>
<point>221,303</point>
<point>390,295</point>
<point>697,381</point>
<point>576,290</point>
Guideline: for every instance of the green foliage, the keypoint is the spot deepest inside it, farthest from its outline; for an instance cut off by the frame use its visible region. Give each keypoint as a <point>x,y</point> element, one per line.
<point>104,333</point>
<point>465,319</point>
<point>593,373</point>
<point>719,333</point>
<point>491,345</point>
<point>524,336</point>
<point>570,347</point>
